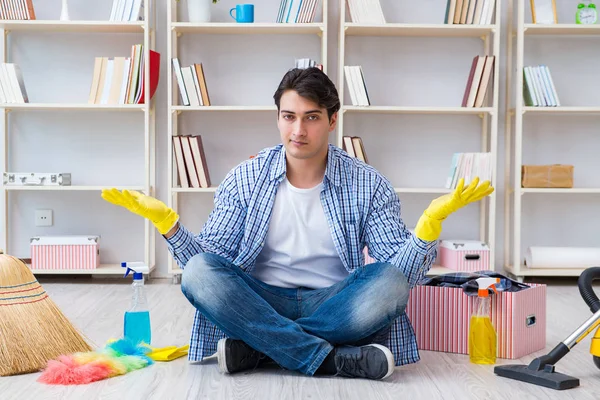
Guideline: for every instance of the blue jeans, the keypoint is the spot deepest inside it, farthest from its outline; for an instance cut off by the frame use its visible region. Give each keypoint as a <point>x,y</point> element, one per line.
<point>296,328</point>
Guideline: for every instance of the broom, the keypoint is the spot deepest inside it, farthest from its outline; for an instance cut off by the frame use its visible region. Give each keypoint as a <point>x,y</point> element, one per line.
<point>32,328</point>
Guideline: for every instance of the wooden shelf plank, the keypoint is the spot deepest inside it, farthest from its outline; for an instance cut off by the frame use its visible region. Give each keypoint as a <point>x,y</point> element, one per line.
<point>194,190</point>
<point>416,110</point>
<point>73,106</point>
<point>73,26</point>
<point>224,108</point>
<point>422,190</point>
<point>525,271</point>
<point>561,190</point>
<point>398,190</point>
<point>436,270</point>
<point>562,110</point>
<point>431,30</point>
<point>561,29</point>
<point>246,29</point>
<point>103,269</point>
<point>70,188</point>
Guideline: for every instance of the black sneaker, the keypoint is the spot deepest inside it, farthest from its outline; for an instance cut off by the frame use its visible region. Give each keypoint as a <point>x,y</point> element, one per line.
<point>372,361</point>
<point>236,355</point>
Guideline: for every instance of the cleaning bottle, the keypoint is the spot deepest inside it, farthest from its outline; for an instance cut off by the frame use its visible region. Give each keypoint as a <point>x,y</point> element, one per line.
<point>136,322</point>
<point>482,335</point>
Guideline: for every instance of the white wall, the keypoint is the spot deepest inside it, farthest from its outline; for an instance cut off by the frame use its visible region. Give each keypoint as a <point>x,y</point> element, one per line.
<point>105,148</point>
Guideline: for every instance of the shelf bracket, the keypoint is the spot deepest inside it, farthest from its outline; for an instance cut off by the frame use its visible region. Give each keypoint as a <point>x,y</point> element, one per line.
<point>178,112</point>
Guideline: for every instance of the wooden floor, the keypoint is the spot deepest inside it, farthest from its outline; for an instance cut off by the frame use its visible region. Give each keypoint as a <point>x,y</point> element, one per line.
<point>97,309</point>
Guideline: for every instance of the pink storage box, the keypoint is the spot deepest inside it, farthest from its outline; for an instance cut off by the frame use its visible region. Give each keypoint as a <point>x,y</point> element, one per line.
<point>65,252</point>
<point>440,317</point>
<point>464,255</point>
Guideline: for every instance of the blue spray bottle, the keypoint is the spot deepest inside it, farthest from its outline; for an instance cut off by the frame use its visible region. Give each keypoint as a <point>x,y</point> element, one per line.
<point>136,322</point>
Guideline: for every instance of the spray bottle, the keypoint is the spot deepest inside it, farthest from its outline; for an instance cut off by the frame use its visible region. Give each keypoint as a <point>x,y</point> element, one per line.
<point>482,335</point>
<point>136,322</point>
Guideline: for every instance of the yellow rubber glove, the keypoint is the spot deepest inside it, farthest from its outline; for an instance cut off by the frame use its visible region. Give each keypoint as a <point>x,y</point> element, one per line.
<point>429,226</point>
<point>163,217</point>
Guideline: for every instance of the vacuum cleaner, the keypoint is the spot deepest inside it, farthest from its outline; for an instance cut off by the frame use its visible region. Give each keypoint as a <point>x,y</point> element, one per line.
<point>541,371</point>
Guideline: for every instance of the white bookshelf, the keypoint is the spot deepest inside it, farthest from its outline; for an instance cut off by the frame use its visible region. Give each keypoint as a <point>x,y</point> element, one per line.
<point>519,32</point>
<point>177,28</point>
<point>147,28</point>
<point>490,36</point>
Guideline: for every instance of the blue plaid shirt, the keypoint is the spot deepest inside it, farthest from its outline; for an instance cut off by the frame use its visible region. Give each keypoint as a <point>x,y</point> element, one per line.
<point>359,203</point>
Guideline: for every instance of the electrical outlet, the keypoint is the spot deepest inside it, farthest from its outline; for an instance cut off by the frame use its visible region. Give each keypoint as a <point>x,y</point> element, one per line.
<point>43,217</point>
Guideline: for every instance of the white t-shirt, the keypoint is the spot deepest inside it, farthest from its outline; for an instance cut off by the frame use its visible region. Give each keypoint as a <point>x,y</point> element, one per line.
<point>299,250</point>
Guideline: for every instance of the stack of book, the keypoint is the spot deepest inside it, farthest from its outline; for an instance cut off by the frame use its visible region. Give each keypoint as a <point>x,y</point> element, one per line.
<point>353,145</point>
<point>190,159</point>
<point>127,10</point>
<point>538,87</point>
<point>307,63</point>
<point>192,84</point>
<point>297,11</point>
<point>480,76</point>
<point>471,12</point>
<point>12,87</point>
<point>17,9</point>
<point>365,11</point>
<point>469,166</point>
<point>356,85</point>
<point>120,80</point>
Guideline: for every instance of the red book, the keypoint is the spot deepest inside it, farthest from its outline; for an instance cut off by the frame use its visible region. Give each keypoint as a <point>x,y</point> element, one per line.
<point>154,75</point>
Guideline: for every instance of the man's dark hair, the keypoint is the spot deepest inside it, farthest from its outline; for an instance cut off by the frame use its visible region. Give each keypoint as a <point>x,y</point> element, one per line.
<point>312,84</point>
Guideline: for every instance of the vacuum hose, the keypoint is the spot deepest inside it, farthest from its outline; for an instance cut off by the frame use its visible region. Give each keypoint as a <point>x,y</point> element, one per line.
<point>585,288</point>
<point>589,296</point>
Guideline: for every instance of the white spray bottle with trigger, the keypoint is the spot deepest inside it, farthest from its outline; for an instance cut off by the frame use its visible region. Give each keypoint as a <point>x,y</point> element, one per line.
<point>136,321</point>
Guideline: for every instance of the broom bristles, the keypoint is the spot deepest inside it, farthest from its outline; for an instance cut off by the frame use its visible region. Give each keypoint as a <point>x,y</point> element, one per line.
<point>33,330</point>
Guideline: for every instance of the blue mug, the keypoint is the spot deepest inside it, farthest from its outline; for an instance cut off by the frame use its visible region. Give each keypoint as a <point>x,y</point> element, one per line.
<point>243,13</point>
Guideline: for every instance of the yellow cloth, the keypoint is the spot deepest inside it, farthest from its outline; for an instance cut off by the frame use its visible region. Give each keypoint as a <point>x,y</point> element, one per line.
<point>168,353</point>
<point>429,226</point>
<point>163,217</point>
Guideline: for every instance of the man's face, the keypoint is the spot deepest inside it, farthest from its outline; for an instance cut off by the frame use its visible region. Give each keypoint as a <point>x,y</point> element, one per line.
<point>304,127</point>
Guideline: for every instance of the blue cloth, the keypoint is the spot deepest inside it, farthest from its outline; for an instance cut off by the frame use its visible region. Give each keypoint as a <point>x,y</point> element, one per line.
<point>467,281</point>
<point>361,207</point>
<point>296,328</point>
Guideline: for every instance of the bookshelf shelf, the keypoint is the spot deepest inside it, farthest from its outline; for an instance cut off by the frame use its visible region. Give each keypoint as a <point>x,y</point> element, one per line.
<point>430,30</point>
<point>561,110</point>
<point>490,35</point>
<point>560,191</point>
<point>422,190</point>
<point>245,29</point>
<point>73,106</point>
<point>73,26</point>
<point>71,188</point>
<point>417,110</point>
<point>224,108</point>
<point>516,44</point>
<point>523,271</point>
<point>194,190</point>
<point>103,269</point>
<point>143,32</point>
<point>561,29</point>
<point>439,270</point>
<point>176,110</point>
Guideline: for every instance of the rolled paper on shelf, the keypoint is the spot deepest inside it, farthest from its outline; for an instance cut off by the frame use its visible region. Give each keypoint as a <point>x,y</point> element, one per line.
<point>562,257</point>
